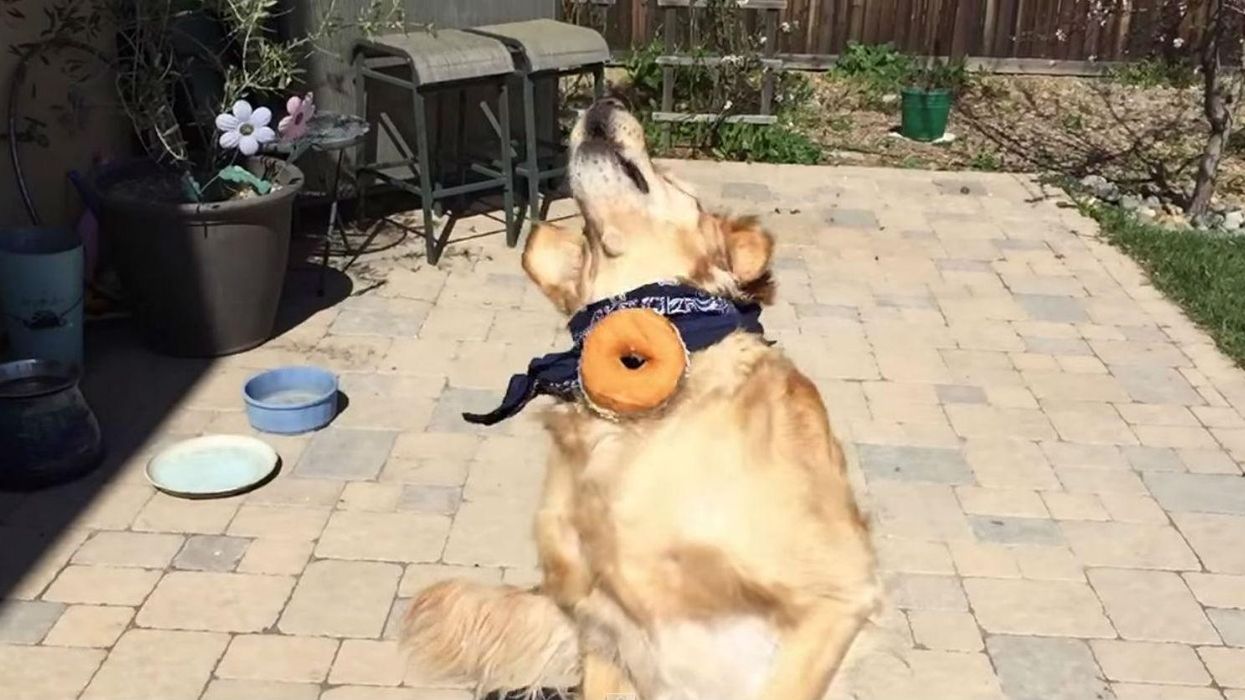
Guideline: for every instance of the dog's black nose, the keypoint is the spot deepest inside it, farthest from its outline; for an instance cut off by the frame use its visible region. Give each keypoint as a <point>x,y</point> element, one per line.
<point>598,116</point>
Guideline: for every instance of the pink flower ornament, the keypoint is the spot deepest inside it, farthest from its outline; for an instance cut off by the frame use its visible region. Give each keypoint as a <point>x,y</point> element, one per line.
<point>299,112</point>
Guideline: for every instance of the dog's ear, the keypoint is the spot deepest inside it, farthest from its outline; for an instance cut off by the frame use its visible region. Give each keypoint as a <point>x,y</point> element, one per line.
<point>748,251</point>
<point>554,259</point>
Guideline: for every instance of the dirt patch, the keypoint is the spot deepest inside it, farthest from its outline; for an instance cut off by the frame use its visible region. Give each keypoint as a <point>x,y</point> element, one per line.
<point>1139,137</point>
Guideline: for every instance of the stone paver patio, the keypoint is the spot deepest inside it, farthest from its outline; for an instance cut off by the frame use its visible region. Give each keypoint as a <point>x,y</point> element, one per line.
<point>1049,451</point>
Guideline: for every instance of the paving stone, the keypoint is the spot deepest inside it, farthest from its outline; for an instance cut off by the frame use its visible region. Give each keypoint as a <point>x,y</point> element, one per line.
<point>368,496</point>
<point>962,265</point>
<point>395,318</point>
<point>341,599</point>
<point>186,663</point>
<point>1127,508</point>
<point>44,673</point>
<point>1099,481</point>
<point>1226,665</point>
<point>492,531</point>
<point>1149,662</point>
<point>1198,493</point>
<point>1231,625</point>
<point>448,414</point>
<point>1217,590</point>
<point>1034,668</point>
<point>1017,503</point>
<point>369,662</point>
<point>1016,530</point>
<point>1158,385</point>
<point>276,556</point>
<point>229,689</point>
<point>430,499</point>
<point>400,537</point>
<point>1045,307</point>
<point>912,556</point>
<point>1129,545</point>
<point>346,453</point>
<point>984,560</point>
<point>165,513</point>
<point>1048,563</point>
<point>1082,456</point>
<point>751,191</point>
<point>825,311</point>
<point>960,393</point>
<point>1153,606</point>
<point>102,585</point>
<point>1064,386</point>
<point>145,550</point>
<point>1216,539</point>
<point>855,218</point>
<point>1089,423</point>
<point>924,592</point>
<point>945,630</point>
<point>271,657</point>
<point>1153,459</point>
<point>1208,462</point>
<point>296,491</point>
<point>279,522</point>
<point>1145,691</point>
<point>1042,608</point>
<point>222,602</point>
<point>902,463</point>
<point>358,692</point>
<point>1057,346</point>
<point>1075,506</point>
<point>27,621</point>
<point>211,553</point>
<point>89,626</point>
<point>1157,414</point>
<point>1009,464</point>
<point>917,511</point>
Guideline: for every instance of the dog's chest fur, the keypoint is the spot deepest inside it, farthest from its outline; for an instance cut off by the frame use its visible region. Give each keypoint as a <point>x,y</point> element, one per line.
<point>679,518</point>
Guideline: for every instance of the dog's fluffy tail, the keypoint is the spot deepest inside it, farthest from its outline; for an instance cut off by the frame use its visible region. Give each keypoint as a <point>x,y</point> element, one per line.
<point>494,637</point>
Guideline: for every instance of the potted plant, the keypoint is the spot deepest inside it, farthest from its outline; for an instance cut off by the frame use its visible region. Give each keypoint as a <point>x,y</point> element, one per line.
<point>926,103</point>
<point>200,228</point>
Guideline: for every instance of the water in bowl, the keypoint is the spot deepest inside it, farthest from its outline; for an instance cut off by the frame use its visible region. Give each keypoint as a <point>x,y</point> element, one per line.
<point>291,397</point>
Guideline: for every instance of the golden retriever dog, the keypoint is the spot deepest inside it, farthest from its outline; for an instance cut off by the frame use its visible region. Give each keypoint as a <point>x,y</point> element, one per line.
<point>711,550</point>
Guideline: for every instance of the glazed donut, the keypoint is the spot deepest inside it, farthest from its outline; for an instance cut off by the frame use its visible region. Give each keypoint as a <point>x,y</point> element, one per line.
<point>632,361</point>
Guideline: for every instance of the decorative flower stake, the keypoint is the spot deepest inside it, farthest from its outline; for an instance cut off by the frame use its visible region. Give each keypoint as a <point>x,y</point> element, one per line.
<point>245,129</point>
<point>299,112</point>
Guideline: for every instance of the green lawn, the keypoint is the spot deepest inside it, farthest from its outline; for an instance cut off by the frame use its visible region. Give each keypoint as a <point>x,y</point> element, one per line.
<point>1205,274</point>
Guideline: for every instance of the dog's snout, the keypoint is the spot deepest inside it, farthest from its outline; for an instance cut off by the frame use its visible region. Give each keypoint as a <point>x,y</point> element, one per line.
<point>597,119</point>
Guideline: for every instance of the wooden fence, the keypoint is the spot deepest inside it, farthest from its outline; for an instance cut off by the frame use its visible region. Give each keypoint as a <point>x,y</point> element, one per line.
<point>1093,30</point>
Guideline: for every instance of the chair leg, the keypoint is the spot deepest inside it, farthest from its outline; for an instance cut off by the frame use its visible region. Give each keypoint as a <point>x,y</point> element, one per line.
<point>425,176</point>
<point>598,81</point>
<point>531,148</point>
<point>507,163</point>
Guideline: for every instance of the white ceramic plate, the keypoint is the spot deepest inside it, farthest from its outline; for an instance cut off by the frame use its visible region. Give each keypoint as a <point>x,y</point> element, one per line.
<point>212,466</point>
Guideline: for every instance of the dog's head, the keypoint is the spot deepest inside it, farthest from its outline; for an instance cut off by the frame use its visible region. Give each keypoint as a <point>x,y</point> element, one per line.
<point>640,226</point>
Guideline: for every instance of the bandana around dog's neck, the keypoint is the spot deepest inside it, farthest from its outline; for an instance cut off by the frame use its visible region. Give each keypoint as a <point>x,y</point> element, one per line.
<point>702,319</point>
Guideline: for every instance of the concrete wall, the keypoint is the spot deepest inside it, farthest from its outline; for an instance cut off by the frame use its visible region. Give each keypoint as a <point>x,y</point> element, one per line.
<point>96,127</point>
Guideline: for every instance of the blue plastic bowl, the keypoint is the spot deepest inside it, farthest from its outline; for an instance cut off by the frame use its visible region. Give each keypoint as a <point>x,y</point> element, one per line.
<point>291,400</point>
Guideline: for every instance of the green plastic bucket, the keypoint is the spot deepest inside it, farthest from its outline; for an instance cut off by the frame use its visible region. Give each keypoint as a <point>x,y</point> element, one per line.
<point>925,113</point>
<point>41,293</point>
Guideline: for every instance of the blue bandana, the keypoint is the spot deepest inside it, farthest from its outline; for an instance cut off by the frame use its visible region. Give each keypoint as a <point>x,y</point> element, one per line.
<point>702,320</point>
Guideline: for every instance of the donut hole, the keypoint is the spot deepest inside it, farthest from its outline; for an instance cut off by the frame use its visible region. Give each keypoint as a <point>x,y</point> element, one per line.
<point>632,361</point>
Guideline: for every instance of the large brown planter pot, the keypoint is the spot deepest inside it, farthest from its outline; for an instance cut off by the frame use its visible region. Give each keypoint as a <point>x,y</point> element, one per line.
<point>205,279</point>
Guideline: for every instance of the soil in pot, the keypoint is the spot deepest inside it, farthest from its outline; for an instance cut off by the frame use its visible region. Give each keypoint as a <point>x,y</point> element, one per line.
<point>205,279</point>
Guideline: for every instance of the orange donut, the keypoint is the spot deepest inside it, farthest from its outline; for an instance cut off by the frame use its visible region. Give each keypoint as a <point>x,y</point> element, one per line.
<point>632,361</point>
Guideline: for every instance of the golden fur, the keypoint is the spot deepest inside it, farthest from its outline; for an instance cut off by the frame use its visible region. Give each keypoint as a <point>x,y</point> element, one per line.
<point>714,551</point>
